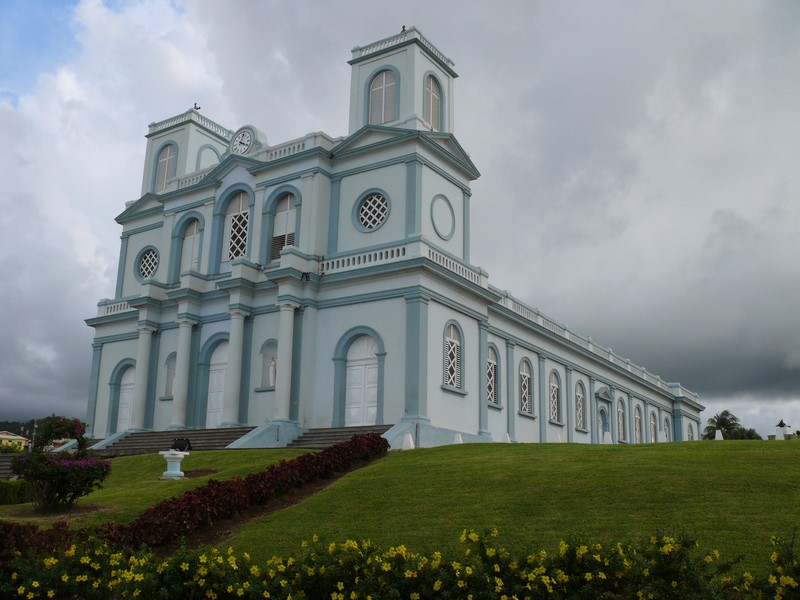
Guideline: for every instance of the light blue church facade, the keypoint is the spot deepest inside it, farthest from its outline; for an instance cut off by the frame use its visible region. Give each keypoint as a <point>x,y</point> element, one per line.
<point>328,282</point>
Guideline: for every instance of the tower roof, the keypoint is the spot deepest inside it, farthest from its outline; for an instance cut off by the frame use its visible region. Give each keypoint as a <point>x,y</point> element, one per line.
<point>412,35</point>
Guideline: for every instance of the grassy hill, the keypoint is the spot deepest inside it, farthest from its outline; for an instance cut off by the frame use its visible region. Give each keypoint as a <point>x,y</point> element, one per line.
<point>732,495</point>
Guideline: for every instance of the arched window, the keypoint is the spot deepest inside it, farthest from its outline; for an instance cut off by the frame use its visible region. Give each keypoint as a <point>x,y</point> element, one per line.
<point>452,357</point>
<point>690,436</point>
<point>666,430</point>
<point>621,419</point>
<point>555,397</point>
<point>432,107</point>
<point>580,406</point>
<point>284,227</point>
<point>382,98</point>
<point>165,167</point>
<point>269,364</point>
<point>237,218</point>
<point>169,370</point>
<point>653,429</point>
<point>525,388</point>
<point>637,425</point>
<point>190,249</point>
<point>491,377</point>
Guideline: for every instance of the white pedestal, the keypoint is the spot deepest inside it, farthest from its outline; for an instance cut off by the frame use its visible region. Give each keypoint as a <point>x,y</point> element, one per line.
<point>173,458</point>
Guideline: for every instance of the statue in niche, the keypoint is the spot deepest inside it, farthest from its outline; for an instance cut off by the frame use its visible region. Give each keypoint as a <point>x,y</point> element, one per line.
<point>272,370</point>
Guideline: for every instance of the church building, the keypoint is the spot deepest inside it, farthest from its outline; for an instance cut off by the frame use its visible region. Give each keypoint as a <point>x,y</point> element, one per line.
<point>328,282</point>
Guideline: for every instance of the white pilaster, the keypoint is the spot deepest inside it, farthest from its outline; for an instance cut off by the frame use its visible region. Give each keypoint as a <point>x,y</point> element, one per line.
<point>142,377</point>
<point>180,387</point>
<point>283,381</point>
<point>233,376</point>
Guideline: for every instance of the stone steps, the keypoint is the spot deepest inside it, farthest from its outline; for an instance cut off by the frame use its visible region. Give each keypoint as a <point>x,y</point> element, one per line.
<point>145,442</point>
<point>5,466</point>
<point>323,438</point>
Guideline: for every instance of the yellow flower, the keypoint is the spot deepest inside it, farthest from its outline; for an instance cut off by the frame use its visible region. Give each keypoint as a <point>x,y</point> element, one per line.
<point>468,570</point>
<point>473,536</point>
<point>588,577</point>
<point>184,566</point>
<point>437,585</point>
<point>51,594</point>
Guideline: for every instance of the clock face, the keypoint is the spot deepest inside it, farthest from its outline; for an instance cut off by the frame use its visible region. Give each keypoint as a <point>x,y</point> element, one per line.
<point>241,143</point>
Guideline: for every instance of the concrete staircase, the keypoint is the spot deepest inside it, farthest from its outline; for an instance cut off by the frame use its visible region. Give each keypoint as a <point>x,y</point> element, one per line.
<point>145,442</point>
<point>323,438</point>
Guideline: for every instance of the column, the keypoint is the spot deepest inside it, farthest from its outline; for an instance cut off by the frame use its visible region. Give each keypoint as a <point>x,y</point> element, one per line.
<point>544,401</point>
<point>613,416</point>
<point>483,349</point>
<point>512,393</point>
<point>593,424</point>
<point>142,377</point>
<point>180,387</point>
<point>569,401</point>
<point>233,376</point>
<point>283,376</point>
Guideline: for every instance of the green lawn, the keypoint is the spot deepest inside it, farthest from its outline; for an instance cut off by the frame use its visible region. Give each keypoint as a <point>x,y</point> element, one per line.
<point>732,495</point>
<point>134,485</point>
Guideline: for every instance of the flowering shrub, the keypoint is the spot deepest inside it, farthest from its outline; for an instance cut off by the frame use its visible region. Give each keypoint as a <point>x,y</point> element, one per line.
<point>783,580</point>
<point>361,570</point>
<point>58,480</point>
<point>59,428</point>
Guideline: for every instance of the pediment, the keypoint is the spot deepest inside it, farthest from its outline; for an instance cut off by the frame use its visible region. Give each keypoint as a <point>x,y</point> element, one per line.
<point>145,205</point>
<point>372,136</point>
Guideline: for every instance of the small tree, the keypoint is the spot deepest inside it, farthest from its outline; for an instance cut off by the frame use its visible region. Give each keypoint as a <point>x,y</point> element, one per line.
<point>59,479</point>
<point>725,421</point>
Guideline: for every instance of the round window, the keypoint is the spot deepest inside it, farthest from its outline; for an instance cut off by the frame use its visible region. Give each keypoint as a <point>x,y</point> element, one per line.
<point>148,264</point>
<point>373,210</point>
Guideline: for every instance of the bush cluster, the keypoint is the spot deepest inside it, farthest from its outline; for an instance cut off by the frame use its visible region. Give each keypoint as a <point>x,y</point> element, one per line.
<point>17,491</point>
<point>216,501</point>
<point>58,480</point>
<point>661,567</point>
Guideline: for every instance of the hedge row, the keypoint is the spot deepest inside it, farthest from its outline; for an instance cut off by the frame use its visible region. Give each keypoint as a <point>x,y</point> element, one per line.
<point>15,491</point>
<point>659,568</point>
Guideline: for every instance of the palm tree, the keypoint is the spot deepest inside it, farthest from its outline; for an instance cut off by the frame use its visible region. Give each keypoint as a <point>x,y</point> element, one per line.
<point>725,421</point>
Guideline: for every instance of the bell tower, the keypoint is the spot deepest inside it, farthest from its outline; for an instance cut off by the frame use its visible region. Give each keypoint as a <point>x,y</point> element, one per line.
<point>401,81</point>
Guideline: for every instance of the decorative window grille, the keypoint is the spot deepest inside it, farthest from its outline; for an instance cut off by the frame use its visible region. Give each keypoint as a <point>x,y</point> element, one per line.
<point>580,412</point>
<point>382,92</point>
<point>690,436</point>
<point>653,429</point>
<point>491,377</point>
<point>148,264</point>
<point>283,230</point>
<point>452,357</point>
<point>621,418</point>
<point>525,400</point>
<point>165,167</point>
<point>431,110</point>
<point>666,430</point>
<point>637,425</point>
<point>190,253</point>
<point>555,398</point>
<point>236,225</point>
<point>373,211</point>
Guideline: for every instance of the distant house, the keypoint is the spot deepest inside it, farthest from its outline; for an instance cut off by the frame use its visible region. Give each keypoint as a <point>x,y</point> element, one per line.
<point>328,282</point>
<point>12,439</point>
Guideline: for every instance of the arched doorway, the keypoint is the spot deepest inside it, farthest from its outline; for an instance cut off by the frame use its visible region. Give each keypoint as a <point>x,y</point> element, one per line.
<point>217,369</point>
<point>602,425</point>
<point>361,390</point>
<point>125,399</point>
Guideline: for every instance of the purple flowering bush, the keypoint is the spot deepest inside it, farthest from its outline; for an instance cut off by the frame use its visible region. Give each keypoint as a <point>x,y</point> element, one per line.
<point>58,480</point>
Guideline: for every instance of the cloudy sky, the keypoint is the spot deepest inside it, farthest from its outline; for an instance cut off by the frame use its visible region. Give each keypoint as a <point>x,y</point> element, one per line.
<point>640,164</point>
